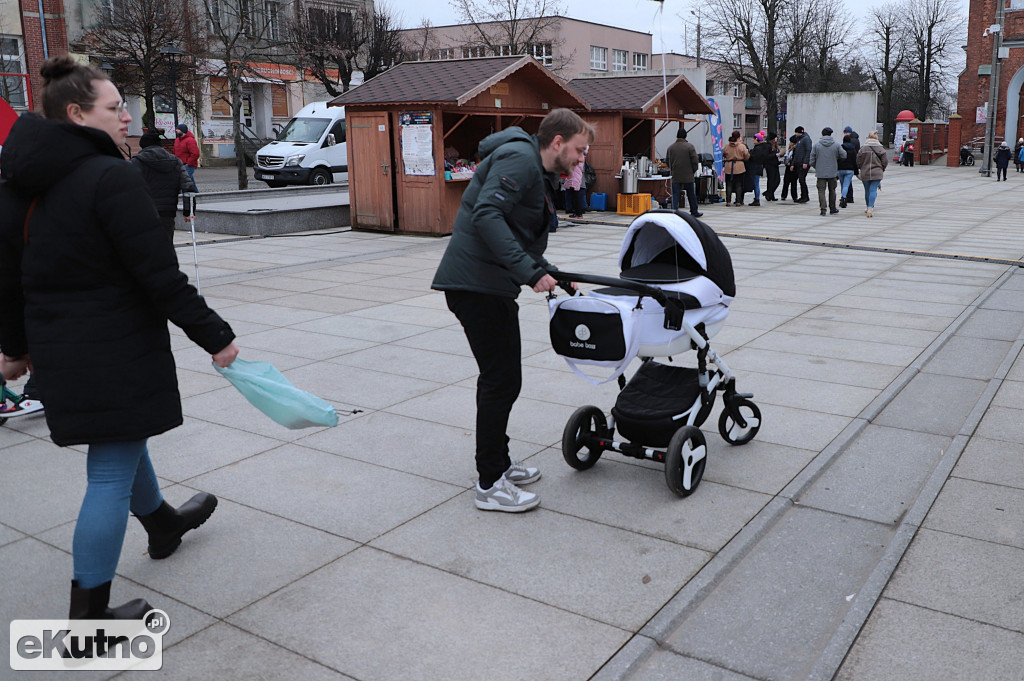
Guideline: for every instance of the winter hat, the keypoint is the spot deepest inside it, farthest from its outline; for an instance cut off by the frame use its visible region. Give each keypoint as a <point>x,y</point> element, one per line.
<point>182,127</point>
<point>681,133</point>
<point>798,128</point>
<point>759,136</point>
<point>826,130</point>
<point>847,129</point>
<point>150,139</point>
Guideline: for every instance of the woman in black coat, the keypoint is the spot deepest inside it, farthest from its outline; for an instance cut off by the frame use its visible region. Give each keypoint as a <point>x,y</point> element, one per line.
<point>90,281</point>
<point>1002,160</point>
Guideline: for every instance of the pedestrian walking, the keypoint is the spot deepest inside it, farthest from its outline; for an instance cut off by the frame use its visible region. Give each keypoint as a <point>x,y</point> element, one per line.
<point>681,158</point>
<point>908,152</point>
<point>734,156</point>
<point>825,157</point>
<point>802,162</point>
<point>872,160</point>
<point>497,246</point>
<point>1003,154</point>
<point>771,168</point>
<point>847,169</point>
<point>575,188</point>
<point>760,156</point>
<point>1017,150</point>
<point>166,178</point>
<point>789,175</point>
<point>90,282</point>
<point>187,150</point>
<point>855,139</point>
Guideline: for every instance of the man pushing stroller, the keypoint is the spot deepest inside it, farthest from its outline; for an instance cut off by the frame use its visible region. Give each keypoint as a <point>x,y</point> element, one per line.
<point>497,247</point>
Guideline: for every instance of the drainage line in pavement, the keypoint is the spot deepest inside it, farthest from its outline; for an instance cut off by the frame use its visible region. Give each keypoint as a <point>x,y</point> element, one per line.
<point>874,249</point>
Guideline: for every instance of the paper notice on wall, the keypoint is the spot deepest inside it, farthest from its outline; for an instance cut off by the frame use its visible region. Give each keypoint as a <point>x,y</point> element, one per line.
<point>417,143</point>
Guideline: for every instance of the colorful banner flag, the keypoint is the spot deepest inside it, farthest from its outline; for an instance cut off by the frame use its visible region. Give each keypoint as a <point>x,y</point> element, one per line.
<point>715,123</point>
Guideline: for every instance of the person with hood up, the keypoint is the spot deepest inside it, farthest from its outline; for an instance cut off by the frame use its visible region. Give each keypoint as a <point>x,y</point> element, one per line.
<point>90,282</point>
<point>855,140</point>
<point>825,156</point>
<point>1002,160</point>
<point>166,178</point>
<point>1016,155</point>
<point>187,150</point>
<point>802,162</point>
<point>760,156</point>
<point>734,155</point>
<point>872,161</point>
<point>497,246</point>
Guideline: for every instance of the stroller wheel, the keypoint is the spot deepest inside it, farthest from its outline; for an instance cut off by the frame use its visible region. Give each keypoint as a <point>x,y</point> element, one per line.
<point>585,424</point>
<point>734,433</point>
<point>685,460</point>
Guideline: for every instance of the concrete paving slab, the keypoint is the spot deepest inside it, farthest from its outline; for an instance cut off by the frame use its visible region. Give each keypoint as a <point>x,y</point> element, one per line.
<point>637,499</point>
<point>1010,394</point>
<point>423,364</point>
<point>911,643</point>
<point>271,314</point>
<point>227,407</point>
<point>646,571</point>
<point>323,303</point>
<point>806,393</point>
<point>407,314</point>
<point>978,586</point>
<point>337,490</point>
<point>41,470</point>
<point>225,652</point>
<point>10,437</point>
<point>845,329</point>
<point>985,511</point>
<point>351,326</point>
<point>1004,325</point>
<point>994,461</point>
<point>1002,423</point>
<point>865,374</point>
<point>1009,300</point>
<point>362,387</point>
<point>836,348</point>
<point>933,403</point>
<point>9,534</point>
<point>306,344</point>
<point>882,302</point>
<point>414,618</point>
<point>665,665</point>
<point>766,618</point>
<point>879,476</point>
<point>799,428</point>
<point>199,446</point>
<point>968,357</point>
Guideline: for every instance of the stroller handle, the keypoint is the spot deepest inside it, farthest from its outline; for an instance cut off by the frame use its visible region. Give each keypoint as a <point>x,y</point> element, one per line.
<point>643,289</point>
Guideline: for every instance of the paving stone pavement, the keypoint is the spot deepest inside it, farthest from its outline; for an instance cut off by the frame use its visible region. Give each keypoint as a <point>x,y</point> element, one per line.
<point>872,530</point>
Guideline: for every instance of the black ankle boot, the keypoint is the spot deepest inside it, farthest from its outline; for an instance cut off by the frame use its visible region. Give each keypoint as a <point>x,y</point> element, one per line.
<point>93,604</point>
<point>166,525</point>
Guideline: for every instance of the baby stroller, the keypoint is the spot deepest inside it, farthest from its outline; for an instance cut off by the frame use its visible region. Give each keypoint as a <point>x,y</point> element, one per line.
<point>673,295</point>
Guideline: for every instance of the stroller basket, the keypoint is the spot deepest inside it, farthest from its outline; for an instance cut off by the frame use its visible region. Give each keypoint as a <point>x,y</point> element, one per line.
<point>648,408</point>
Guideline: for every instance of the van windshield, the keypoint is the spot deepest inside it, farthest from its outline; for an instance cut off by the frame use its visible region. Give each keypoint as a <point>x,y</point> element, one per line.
<point>304,130</point>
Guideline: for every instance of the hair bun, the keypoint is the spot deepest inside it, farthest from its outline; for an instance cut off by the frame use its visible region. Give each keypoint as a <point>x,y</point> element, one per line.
<point>56,68</point>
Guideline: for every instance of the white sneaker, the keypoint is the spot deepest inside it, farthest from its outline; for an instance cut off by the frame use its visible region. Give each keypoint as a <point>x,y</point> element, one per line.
<point>504,496</point>
<point>518,474</point>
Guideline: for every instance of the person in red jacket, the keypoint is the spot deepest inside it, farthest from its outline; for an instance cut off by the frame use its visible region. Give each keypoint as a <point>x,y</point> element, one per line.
<point>187,151</point>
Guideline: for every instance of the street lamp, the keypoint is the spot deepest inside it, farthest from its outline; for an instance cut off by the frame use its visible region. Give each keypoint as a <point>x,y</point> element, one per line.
<point>993,91</point>
<point>174,55</point>
<point>697,14</point>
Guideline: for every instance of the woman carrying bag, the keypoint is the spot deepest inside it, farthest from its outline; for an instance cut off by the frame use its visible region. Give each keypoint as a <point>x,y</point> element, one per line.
<point>734,155</point>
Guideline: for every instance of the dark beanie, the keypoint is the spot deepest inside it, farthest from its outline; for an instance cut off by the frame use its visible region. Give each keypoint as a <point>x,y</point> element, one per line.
<point>150,139</point>
<point>182,127</point>
<point>681,133</point>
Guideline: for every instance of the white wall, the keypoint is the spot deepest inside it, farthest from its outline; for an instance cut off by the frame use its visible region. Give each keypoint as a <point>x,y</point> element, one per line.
<point>836,110</point>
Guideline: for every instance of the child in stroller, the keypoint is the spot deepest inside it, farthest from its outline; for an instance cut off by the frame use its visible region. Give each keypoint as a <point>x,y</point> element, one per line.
<point>680,265</point>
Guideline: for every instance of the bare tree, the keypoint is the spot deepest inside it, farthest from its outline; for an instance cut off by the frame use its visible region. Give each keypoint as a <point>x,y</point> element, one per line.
<point>885,52</point>
<point>384,42</point>
<point>500,27</point>
<point>131,33</point>
<point>758,42</point>
<point>825,58</point>
<point>244,34</point>
<point>327,43</point>
<point>935,31</point>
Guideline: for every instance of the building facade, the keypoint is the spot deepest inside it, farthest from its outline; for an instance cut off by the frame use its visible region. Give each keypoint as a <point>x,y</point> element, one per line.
<point>26,40</point>
<point>976,79</point>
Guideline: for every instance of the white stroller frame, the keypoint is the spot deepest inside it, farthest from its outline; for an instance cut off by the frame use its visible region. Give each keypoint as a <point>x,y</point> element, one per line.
<point>589,432</point>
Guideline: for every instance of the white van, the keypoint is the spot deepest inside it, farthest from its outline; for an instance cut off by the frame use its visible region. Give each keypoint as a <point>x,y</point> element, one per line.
<point>311,149</point>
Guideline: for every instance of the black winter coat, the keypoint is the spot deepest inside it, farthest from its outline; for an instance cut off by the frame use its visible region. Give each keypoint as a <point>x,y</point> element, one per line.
<point>90,293</point>
<point>165,177</point>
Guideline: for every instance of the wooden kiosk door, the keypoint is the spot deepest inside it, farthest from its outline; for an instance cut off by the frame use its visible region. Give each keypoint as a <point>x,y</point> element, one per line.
<point>371,186</point>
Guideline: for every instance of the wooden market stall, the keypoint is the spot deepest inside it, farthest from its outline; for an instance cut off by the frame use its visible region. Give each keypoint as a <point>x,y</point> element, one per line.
<point>627,112</point>
<point>402,124</point>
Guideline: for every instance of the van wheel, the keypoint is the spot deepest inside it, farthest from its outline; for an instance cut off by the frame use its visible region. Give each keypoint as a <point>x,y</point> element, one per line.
<point>320,177</point>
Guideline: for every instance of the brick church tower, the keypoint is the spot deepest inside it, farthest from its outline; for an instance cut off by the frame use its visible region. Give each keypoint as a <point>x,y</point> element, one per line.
<point>975,81</point>
<point>46,38</point>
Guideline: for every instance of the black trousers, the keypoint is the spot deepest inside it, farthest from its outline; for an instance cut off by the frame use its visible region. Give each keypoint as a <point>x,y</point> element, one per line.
<point>789,183</point>
<point>772,171</point>
<point>491,324</point>
<point>801,176</point>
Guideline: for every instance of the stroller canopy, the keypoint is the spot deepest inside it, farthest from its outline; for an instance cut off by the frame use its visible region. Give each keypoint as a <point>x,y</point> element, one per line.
<point>666,245</point>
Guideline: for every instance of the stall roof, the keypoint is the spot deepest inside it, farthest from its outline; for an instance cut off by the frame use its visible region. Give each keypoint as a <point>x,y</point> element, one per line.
<point>450,80</point>
<point>638,93</point>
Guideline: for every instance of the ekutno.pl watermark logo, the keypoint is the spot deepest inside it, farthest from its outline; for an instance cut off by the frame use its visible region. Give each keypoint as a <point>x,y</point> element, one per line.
<point>89,644</point>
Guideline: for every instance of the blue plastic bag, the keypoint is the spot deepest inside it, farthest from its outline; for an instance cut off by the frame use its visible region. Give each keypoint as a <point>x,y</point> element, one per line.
<point>270,392</point>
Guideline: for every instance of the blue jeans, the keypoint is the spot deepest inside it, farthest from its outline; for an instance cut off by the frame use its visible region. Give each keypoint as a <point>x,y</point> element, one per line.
<point>691,195</point>
<point>845,179</point>
<point>120,479</point>
<point>191,170</point>
<point>757,187</point>
<point>870,191</point>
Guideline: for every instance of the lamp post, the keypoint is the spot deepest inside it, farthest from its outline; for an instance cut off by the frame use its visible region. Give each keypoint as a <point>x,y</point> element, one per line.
<point>174,55</point>
<point>995,30</point>
<point>697,14</point>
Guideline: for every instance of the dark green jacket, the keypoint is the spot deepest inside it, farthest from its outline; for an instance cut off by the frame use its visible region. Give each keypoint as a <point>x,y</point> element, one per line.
<point>501,230</point>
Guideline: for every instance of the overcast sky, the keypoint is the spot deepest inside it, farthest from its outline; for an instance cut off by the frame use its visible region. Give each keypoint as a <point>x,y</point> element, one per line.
<point>661,20</point>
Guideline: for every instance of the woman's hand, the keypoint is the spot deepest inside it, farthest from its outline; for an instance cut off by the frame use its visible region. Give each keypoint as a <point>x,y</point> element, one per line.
<point>225,357</point>
<point>13,368</point>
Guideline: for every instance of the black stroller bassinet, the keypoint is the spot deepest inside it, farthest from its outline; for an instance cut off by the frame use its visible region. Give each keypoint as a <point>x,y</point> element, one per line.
<point>673,295</point>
